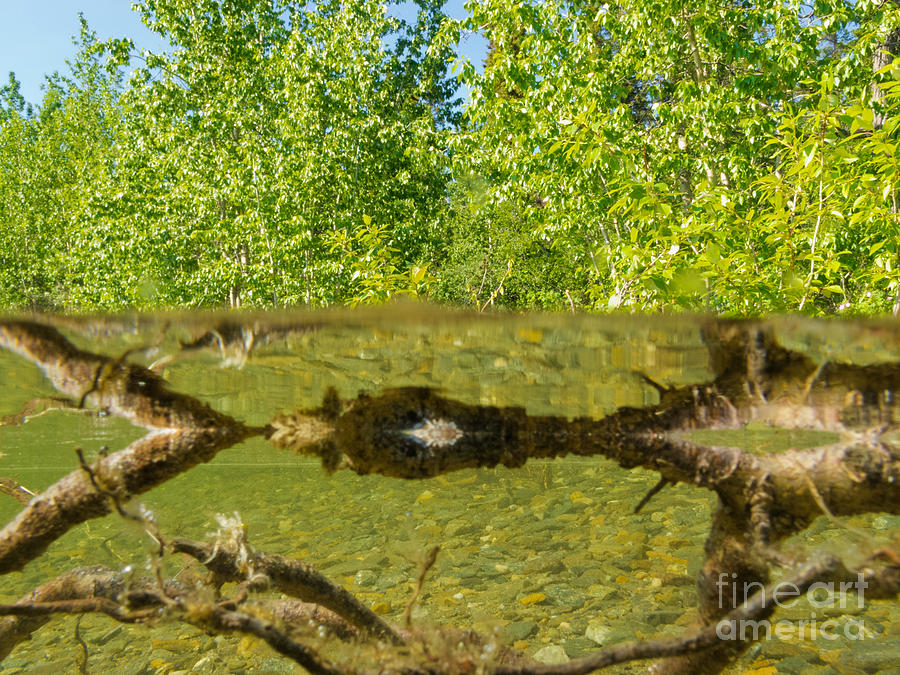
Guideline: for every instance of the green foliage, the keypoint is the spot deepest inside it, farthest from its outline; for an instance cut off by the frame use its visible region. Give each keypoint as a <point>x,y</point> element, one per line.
<point>491,256</point>
<point>55,167</point>
<point>243,165</point>
<point>650,156</point>
<point>688,156</point>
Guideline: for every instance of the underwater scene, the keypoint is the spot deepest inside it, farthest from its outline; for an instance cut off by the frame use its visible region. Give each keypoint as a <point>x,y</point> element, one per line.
<point>449,492</point>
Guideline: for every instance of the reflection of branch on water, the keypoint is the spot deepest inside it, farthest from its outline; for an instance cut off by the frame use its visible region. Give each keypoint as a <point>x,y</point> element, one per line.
<point>40,406</point>
<point>416,433</point>
<point>236,341</point>
<point>182,433</point>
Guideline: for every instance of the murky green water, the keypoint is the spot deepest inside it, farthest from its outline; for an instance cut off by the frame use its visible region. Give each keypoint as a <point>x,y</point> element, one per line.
<point>551,554</point>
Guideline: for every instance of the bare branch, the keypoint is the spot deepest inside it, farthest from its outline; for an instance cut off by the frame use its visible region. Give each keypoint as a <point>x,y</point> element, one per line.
<point>294,578</point>
<point>226,621</point>
<point>16,490</point>
<point>183,433</point>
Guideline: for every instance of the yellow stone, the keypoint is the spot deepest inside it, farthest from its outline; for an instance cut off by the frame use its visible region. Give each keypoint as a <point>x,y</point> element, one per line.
<point>177,646</point>
<point>533,599</point>
<point>530,335</point>
<point>689,618</point>
<point>665,556</point>
<point>247,646</point>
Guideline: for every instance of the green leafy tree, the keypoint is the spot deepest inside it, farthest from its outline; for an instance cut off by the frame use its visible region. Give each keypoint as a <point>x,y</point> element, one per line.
<point>294,150</point>
<point>56,165</point>
<point>635,136</point>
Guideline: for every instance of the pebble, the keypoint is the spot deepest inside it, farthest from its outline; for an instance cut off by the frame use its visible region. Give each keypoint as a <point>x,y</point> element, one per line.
<point>577,647</point>
<point>519,630</point>
<point>662,617</point>
<point>550,564</point>
<point>365,578</point>
<point>876,655</point>
<point>564,595</point>
<point>532,599</point>
<point>598,631</point>
<point>106,636</point>
<point>552,655</point>
<point>204,666</point>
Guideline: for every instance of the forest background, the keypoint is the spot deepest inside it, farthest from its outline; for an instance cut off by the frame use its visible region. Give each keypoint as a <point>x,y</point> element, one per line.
<point>725,156</point>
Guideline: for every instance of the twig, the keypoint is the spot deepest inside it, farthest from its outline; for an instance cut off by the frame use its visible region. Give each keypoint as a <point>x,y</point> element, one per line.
<point>31,410</point>
<point>223,620</point>
<point>142,519</point>
<point>811,380</point>
<point>81,657</point>
<point>16,490</point>
<point>106,606</point>
<point>490,300</point>
<point>652,492</point>
<point>427,565</point>
<point>820,502</point>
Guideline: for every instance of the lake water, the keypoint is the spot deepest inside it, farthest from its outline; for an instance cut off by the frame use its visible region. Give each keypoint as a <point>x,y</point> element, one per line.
<point>550,556</point>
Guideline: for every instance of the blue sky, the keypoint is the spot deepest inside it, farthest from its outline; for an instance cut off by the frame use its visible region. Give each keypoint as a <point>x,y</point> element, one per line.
<point>36,35</point>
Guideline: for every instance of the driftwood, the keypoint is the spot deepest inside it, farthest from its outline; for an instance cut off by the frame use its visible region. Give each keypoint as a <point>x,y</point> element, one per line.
<point>415,433</point>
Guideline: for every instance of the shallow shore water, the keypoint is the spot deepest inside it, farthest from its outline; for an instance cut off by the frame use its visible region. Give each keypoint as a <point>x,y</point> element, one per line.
<point>548,557</point>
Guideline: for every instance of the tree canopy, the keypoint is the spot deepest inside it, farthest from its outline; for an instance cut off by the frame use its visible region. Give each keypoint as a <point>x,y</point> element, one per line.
<point>733,157</point>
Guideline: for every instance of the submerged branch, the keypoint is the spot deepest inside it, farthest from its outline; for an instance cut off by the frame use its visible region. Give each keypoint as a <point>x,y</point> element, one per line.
<point>183,432</point>
<point>16,490</point>
<point>293,578</point>
<point>100,590</point>
<point>89,583</point>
